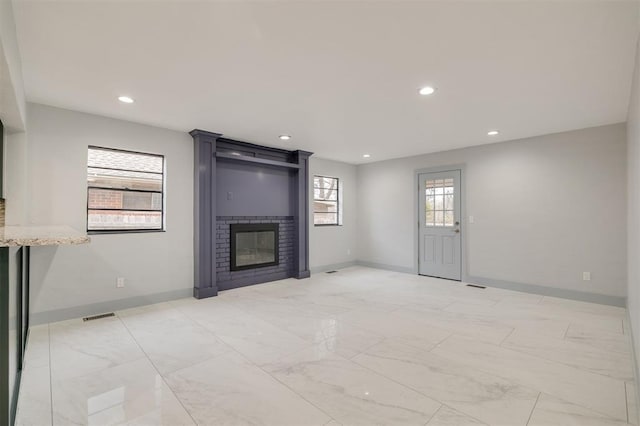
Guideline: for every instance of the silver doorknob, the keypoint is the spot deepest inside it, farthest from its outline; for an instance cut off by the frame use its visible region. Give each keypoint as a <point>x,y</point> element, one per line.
<point>456,231</point>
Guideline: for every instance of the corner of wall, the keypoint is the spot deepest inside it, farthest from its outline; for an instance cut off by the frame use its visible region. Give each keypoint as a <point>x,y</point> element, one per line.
<point>333,247</point>
<point>633,221</point>
<point>13,104</point>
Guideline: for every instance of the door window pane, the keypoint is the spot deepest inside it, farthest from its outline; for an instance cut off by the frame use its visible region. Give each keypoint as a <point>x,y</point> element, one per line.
<point>448,218</point>
<point>439,202</point>
<point>430,218</point>
<point>448,202</point>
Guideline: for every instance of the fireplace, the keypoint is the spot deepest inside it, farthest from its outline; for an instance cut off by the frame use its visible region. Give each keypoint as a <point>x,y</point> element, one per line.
<point>239,183</point>
<point>254,245</point>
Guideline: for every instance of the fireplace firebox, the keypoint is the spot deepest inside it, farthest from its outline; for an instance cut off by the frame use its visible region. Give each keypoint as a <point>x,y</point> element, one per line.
<point>254,245</point>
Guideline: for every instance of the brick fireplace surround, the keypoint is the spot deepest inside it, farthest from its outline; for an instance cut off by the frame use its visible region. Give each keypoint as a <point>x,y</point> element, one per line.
<point>232,279</point>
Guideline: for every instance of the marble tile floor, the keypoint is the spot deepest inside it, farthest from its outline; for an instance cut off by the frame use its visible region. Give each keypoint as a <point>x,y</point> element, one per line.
<point>359,347</point>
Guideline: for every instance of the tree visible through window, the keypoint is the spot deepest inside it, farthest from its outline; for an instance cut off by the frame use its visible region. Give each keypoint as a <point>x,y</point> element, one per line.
<point>326,201</point>
<point>439,204</point>
<point>124,190</point>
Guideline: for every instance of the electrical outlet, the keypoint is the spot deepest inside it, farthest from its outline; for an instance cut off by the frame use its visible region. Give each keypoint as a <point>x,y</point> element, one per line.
<point>120,282</point>
<point>229,195</point>
<point>586,276</point>
<point>471,219</point>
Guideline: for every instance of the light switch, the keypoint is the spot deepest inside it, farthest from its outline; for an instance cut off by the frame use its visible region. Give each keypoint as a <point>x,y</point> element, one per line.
<point>229,195</point>
<point>471,219</point>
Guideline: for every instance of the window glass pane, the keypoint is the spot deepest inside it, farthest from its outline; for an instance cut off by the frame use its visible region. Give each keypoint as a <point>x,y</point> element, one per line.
<point>431,203</point>
<point>142,201</point>
<point>121,219</point>
<point>448,218</point>
<point>439,202</point>
<point>125,190</point>
<point>325,194</point>
<point>430,218</point>
<point>326,203</point>
<point>111,159</point>
<point>325,206</point>
<point>104,199</point>
<point>325,182</point>
<point>448,202</point>
<point>325,218</point>
<point>114,199</point>
<point>119,179</point>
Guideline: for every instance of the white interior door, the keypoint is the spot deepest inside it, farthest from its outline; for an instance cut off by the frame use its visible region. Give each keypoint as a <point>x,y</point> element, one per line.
<point>439,220</point>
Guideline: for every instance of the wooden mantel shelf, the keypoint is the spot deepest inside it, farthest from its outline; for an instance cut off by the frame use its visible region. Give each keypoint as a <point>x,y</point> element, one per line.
<point>263,161</point>
<point>38,235</point>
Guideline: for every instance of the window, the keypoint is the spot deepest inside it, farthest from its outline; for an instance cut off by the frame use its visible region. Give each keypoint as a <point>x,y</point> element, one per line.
<point>439,202</point>
<point>326,201</point>
<point>125,191</point>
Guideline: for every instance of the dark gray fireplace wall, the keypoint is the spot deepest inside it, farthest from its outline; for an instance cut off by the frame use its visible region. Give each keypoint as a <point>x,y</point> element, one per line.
<point>204,210</point>
<point>250,190</point>
<point>239,179</point>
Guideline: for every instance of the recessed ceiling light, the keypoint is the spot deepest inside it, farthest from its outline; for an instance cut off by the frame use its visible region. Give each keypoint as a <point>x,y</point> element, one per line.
<point>125,99</point>
<point>366,155</point>
<point>428,90</point>
<point>285,137</point>
<point>492,132</point>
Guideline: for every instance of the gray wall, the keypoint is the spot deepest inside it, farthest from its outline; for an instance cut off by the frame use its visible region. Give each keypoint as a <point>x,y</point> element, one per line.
<point>546,209</point>
<point>332,246</point>
<point>15,178</point>
<point>152,263</point>
<point>73,280</point>
<point>633,217</point>
<point>12,98</point>
<point>13,115</point>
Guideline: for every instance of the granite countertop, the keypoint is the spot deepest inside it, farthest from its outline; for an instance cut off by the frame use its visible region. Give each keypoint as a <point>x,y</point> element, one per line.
<point>38,235</point>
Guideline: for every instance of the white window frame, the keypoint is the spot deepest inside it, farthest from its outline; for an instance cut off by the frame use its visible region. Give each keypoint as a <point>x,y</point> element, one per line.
<point>128,229</point>
<point>338,200</point>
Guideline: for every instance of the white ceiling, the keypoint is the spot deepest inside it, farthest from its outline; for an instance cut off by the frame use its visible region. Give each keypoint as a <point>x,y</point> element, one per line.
<point>340,76</point>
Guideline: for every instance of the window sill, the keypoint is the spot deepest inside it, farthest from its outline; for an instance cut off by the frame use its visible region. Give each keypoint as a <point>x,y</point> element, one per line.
<point>124,232</point>
<point>329,224</point>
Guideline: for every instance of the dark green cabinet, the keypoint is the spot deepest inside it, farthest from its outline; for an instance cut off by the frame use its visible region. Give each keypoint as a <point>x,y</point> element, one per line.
<point>14,318</point>
<point>14,326</point>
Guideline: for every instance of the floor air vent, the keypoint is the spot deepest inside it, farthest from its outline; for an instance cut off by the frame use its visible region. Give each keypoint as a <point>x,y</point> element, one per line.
<point>475,286</point>
<point>331,272</point>
<point>96,317</point>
